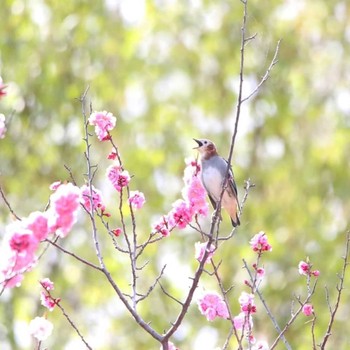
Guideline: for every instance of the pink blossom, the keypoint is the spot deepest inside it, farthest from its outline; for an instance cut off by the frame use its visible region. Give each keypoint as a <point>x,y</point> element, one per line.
<point>40,328</point>
<point>17,253</point>
<point>246,301</point>
<point>113,154</point>
<point>196,196</point>
<point>260,273</point>
<point>54,186</point>
<point>243,321</point>
<point>65,203</point>
<point>97,201</point>
<point>259,243</point>
<point>117,232</point>
<point>2,89</point>
<point>37,223</point>
<point>304,268</point>
<point>161,226</point>
<point>47,301</point>
<point>118,177</point>
<point>47,284</point>
<point>181,215</point>
<point>193,202</point>
<point>23,241</point>
<point>137,199</point>
<point>211,305</point>
<point>194,193</point>
<point>18,250</point>
<point>308,309</point>
<point>11,282</point>
<point>2,126</point>
<point>261,345</point>
<point>200,250</point>
<point>103,122</point>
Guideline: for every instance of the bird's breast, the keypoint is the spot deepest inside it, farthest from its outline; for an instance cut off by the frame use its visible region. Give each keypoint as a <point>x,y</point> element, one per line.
<point>212,181</point>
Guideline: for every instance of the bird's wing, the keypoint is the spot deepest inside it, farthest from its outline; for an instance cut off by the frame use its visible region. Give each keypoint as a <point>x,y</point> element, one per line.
<point>212,201</point>
<point>231,181</point>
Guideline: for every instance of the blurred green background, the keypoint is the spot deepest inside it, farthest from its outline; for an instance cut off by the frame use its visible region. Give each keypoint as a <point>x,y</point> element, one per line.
<point>169,71</point>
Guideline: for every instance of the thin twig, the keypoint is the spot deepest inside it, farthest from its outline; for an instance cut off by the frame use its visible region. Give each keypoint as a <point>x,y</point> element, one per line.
<point>294,316</point>
<point>169,295</point>
<point>267,309</point>
<point>151,288</point>
<point>88,263</point>
<point>8,204</point>
<point>73,325</point>
<point>267,73</point>
<point>340,288</point>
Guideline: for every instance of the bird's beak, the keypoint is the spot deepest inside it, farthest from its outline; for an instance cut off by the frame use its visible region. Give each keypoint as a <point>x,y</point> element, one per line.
<point>199,143</point>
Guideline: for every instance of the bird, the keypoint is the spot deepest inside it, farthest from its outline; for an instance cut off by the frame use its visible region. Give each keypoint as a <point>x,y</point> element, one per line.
<point>214,170</point>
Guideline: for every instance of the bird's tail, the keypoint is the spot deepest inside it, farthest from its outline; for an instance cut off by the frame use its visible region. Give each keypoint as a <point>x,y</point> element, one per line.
<point>235,222</point>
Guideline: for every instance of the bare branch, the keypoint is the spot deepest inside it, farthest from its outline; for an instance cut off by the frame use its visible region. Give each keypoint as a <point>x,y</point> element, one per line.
<point>152,286</point>
<point>72,324</point>
<point>88,263</point>
<point>267,73</point>
<point>169,295</point>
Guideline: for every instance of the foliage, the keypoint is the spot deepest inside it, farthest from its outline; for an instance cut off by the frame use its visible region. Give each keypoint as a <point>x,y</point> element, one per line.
<point>169,72</point>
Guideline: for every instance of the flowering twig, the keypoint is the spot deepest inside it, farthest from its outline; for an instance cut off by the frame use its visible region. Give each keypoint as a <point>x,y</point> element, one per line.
<point>103,268</point>
<point>339,287</point>
<point>224,293</point>
<point>294,315</point>
<point>267,309</point>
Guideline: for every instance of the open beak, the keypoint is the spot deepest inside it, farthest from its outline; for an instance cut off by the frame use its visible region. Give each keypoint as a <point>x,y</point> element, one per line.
<point>199,143</point>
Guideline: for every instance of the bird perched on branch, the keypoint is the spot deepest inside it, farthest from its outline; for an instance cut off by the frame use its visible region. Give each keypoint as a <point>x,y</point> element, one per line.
<point>214,172</point>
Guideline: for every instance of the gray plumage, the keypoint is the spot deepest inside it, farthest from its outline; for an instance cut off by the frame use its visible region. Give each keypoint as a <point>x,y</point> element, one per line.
<point>214,169</point>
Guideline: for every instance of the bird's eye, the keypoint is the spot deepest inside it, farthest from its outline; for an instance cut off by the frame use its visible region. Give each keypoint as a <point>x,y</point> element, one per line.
<point>205,142</point>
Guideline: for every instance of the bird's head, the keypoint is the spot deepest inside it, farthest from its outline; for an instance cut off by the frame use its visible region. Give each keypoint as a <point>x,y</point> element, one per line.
<point>206,148</point>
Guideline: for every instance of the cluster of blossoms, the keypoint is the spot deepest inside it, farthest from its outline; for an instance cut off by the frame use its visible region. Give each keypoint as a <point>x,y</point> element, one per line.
<point>136,199</point>
<point>211,305</point>
<point>64,205</point>
<point>259,243</point>
<point>244,320</point>
<point>104,122</point>
<point>184,210</point>
<point>2,117</point>
<point>2,126</point>
<point>118,177</point>
<point>23,237</point>
<point>305,269</point>
<point>46,299</point>
<point>96,199</point>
